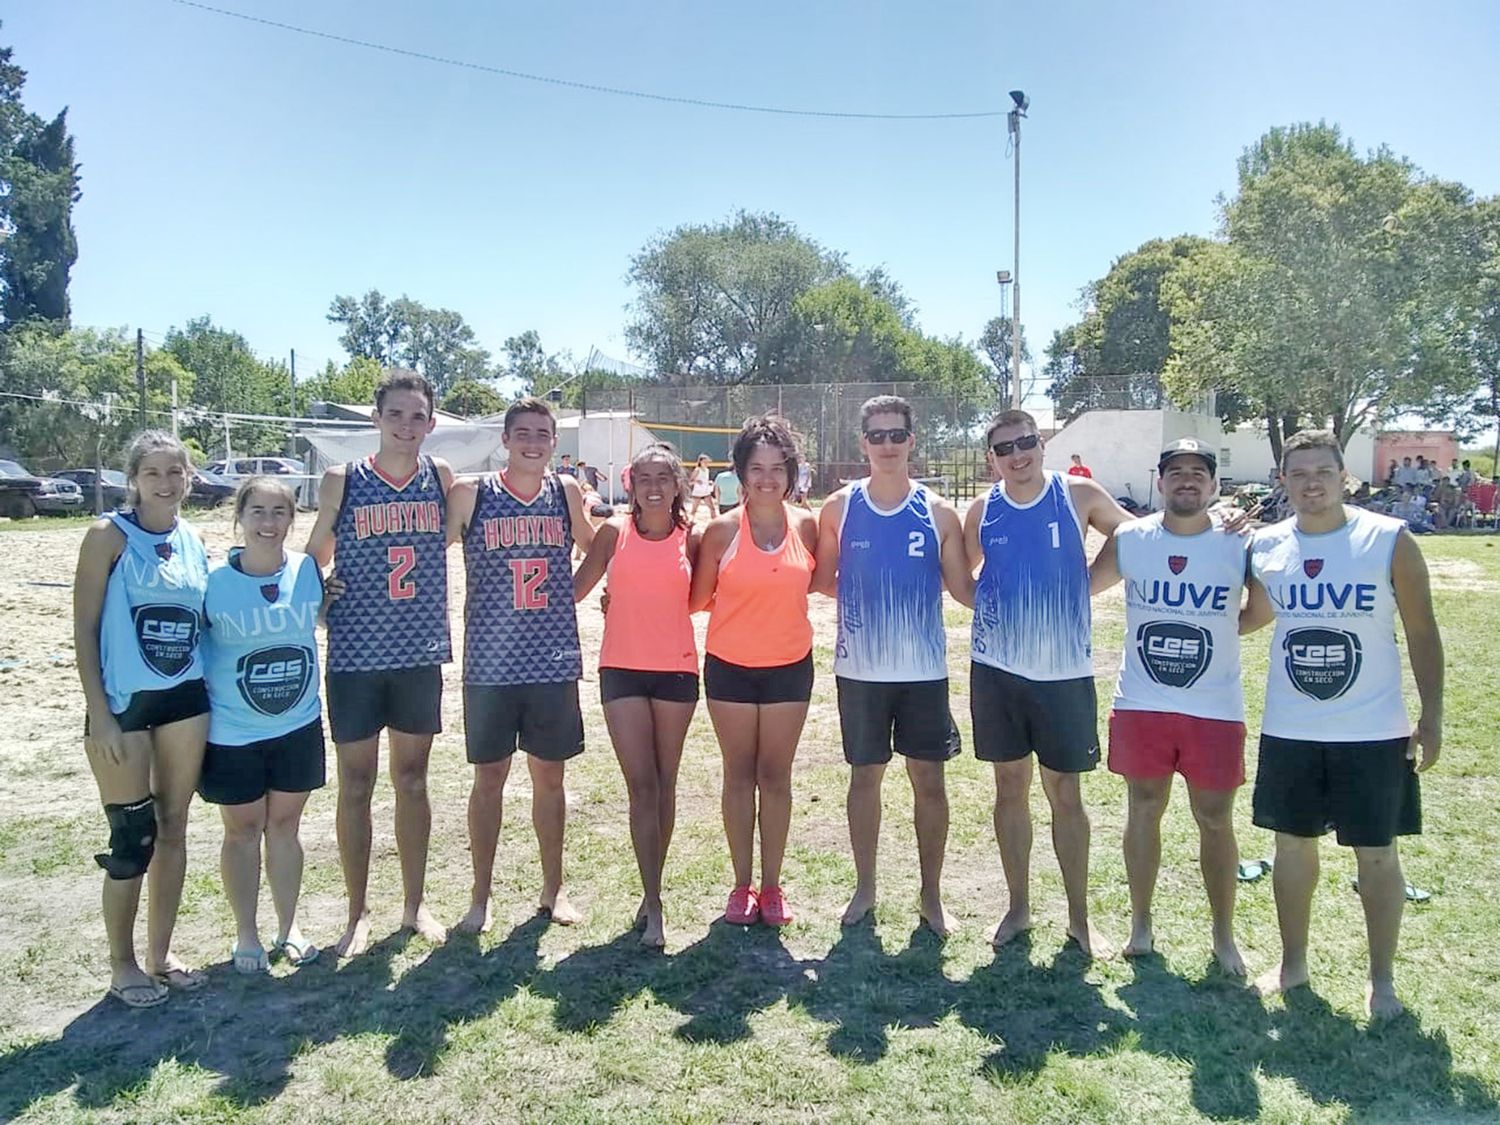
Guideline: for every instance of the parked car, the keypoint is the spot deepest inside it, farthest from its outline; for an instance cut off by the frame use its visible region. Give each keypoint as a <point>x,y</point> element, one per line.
<point>23,495</point>
<point>115,488</point>
<point>210,489</point>
<point>238,467</point>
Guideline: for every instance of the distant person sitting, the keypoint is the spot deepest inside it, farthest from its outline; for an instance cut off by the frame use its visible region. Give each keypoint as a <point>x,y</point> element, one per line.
<point>726,490</point>
<point>1412,507</point>
<point>1079,469</point>
<point>1423,474</point>
<point>566,469</point>
<point>1406,475</point>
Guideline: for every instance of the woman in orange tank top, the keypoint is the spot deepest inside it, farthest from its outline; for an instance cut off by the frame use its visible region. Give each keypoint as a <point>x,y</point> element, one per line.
<point>648,663</point>
<point>754,570</point>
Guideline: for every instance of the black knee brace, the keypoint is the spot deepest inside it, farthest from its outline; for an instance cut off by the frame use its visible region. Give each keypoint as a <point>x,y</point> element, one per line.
<point>132,839</point>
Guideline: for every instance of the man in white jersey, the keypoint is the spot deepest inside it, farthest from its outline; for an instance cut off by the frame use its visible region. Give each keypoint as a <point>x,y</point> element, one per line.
<point>886,546</point>
<point>1178,704</point>
<point>1032,675</point>
<point>1337,749</point>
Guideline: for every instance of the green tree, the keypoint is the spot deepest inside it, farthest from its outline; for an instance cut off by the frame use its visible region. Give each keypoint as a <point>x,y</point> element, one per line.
<point>229,379</point>
<point>994,342</point>
<point>713,301</point>
<point>438,343</point>
<point>471,399</point>
<point>1334,297</point>
<point>38,187</point>
<point>352,384</point>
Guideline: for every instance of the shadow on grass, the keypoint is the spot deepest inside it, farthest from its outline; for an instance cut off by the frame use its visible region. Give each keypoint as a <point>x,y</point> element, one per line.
<point>250,1029</point>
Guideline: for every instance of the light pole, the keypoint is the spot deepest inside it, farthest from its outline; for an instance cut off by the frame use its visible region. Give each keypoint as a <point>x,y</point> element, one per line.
<point>1013,123</point>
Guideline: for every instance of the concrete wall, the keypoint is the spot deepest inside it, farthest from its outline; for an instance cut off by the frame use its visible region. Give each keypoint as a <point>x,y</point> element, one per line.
<point>1121,446</point>
<point>1395,445</point>
<point>1248,449</point>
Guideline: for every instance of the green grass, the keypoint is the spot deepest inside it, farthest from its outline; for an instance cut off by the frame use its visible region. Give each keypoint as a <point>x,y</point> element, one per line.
<point>884,1023</point>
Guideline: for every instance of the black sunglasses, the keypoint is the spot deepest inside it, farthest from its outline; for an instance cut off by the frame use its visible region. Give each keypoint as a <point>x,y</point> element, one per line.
<point>1024,442</point>
<point>896,435</point>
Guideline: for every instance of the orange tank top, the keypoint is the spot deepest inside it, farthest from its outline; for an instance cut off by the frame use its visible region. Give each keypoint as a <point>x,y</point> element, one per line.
<point>647,628</point>
<point>759,619</point>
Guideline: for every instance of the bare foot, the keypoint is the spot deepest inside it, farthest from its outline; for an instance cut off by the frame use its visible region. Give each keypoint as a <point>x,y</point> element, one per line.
<point>559,909</point>
<point>424,925</point>
<point>1092,942</point>
<point>476,921</point>
<point>1381,1000</point>
<point>1283,978</point>
<point>859,907</point>
<point>1227,954</point>
<point>1015,923</point>
<point>1142,942</point>
<point>654,935</point>
<point>356,938</point>
<point>936,918</point>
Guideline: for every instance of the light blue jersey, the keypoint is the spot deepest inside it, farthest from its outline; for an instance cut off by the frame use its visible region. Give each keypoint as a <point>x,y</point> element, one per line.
<point>1031,604</point>
<point>890,591</point>
<point>260,653</point>
<point>153,606</point>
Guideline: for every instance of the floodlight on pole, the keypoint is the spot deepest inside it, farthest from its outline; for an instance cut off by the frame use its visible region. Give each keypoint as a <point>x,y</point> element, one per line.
<point>1013,124</point>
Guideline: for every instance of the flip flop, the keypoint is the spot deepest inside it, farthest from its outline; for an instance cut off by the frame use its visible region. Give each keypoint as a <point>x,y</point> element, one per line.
<point>180,980</point>
<point>1251,870</point>
<point>249,961</point>
<point>130,994</point>
<point>1413,893</point>
<point>297,954</point>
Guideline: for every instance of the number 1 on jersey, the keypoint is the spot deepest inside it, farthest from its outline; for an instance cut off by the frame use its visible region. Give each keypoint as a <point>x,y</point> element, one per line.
<point>1052,526</point>
<point>398,585</point>
<point>529,575</point>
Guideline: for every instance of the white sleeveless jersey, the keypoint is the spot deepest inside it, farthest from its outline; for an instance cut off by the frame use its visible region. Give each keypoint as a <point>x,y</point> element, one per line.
<point>1335,671</point>
<point>1182,621</point>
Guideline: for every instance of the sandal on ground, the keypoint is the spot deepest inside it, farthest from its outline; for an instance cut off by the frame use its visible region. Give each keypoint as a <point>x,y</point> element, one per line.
<point>743,908</point>
<point>139,995</point>
<point>773,908</point>
<point>1413,893</point>
<point>1250,870</point>
<point>180,980</point>
<point>297,953</point>
<point>249,961</point>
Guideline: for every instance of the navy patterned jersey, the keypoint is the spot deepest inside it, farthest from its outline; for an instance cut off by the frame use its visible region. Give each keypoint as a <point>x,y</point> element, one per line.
<point>389,549</point>
<point>519,623</point>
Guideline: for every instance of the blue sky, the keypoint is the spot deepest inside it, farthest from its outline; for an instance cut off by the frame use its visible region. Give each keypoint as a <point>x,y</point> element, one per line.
<point>251,174</point>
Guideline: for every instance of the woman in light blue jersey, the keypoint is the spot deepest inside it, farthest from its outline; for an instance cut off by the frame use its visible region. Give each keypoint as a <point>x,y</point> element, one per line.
<point>137,618</point>
<point>265,737</point>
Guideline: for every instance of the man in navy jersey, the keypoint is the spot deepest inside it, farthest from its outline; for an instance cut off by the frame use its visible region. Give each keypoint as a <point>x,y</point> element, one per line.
<point>886,546</point>
<point>1337,749</point>
<point>522,660</point>
<point>1032,675</point>
<point>381,521</point>
<point>1178,705</point>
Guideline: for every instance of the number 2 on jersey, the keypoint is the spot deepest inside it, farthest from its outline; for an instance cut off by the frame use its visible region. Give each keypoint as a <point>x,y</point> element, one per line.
<point>402,560</point>
<point>529,575</point>
<point>915,542</point>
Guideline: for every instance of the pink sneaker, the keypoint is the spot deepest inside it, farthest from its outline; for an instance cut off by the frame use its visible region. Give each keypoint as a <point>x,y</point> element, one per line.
<point>773,908</point>
<point>743,908</point>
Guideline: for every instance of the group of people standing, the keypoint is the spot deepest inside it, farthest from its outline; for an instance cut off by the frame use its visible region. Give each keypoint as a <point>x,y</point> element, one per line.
<point>1336,750</point>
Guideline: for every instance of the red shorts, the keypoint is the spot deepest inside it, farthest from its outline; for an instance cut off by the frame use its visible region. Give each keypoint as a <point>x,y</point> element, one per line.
<point>1209,753</point>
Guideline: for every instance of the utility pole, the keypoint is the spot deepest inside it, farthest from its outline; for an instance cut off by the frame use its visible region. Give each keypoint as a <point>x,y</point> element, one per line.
<point>140,372</point>
<point>292,413</point>
<point>1013,120</point>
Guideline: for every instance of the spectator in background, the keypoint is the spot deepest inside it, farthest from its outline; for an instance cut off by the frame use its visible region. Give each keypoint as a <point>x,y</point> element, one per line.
<point>1406,475</point>
<point>1390,473</point>
<point>587,474</point>
<point>1412,507</point>
<point>1464,477</point>
<point>726,490</point>
<point>1079,469</point>
<point>804,484</point>
<point>1423,474</point>
<point>566,469</point>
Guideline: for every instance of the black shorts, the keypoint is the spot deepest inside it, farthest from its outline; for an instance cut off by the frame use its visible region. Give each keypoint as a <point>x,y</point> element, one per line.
<point>289,763</point>
<point>669,687</point>
<point>1366,792</point>
<point>1014,717</point>
<point>543,719</point>
<point>361,704</point>
<point>736,683</point>
<point>149,709</point>
<point>912,716</point>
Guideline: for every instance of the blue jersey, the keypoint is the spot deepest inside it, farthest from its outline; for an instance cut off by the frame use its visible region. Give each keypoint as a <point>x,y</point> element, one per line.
<point>1031,605</point>
<point>153,607</point>
<point>519,623</point>
<point>391,552</point>
<point>260,654</point>
<point>890,591</point>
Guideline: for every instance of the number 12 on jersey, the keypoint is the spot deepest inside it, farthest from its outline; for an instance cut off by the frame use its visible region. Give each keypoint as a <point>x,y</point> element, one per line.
<point>529,576</point>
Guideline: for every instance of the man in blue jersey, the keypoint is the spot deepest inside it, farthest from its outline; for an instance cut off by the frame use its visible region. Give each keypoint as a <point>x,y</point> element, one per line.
<point>381,521</point>
<point>886,547</point>
<point>1032,672</point>
<point>522,661</point>
<point>1337,748</point>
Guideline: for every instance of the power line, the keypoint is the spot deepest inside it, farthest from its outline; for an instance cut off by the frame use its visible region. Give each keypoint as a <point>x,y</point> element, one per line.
<point>590,87</point>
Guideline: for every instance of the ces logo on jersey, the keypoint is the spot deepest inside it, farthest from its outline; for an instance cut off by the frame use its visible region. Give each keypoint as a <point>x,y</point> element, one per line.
<point>1322,663</point>
<point>273,680</point>
<point>1174,653</point>
<point>167,636</point>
